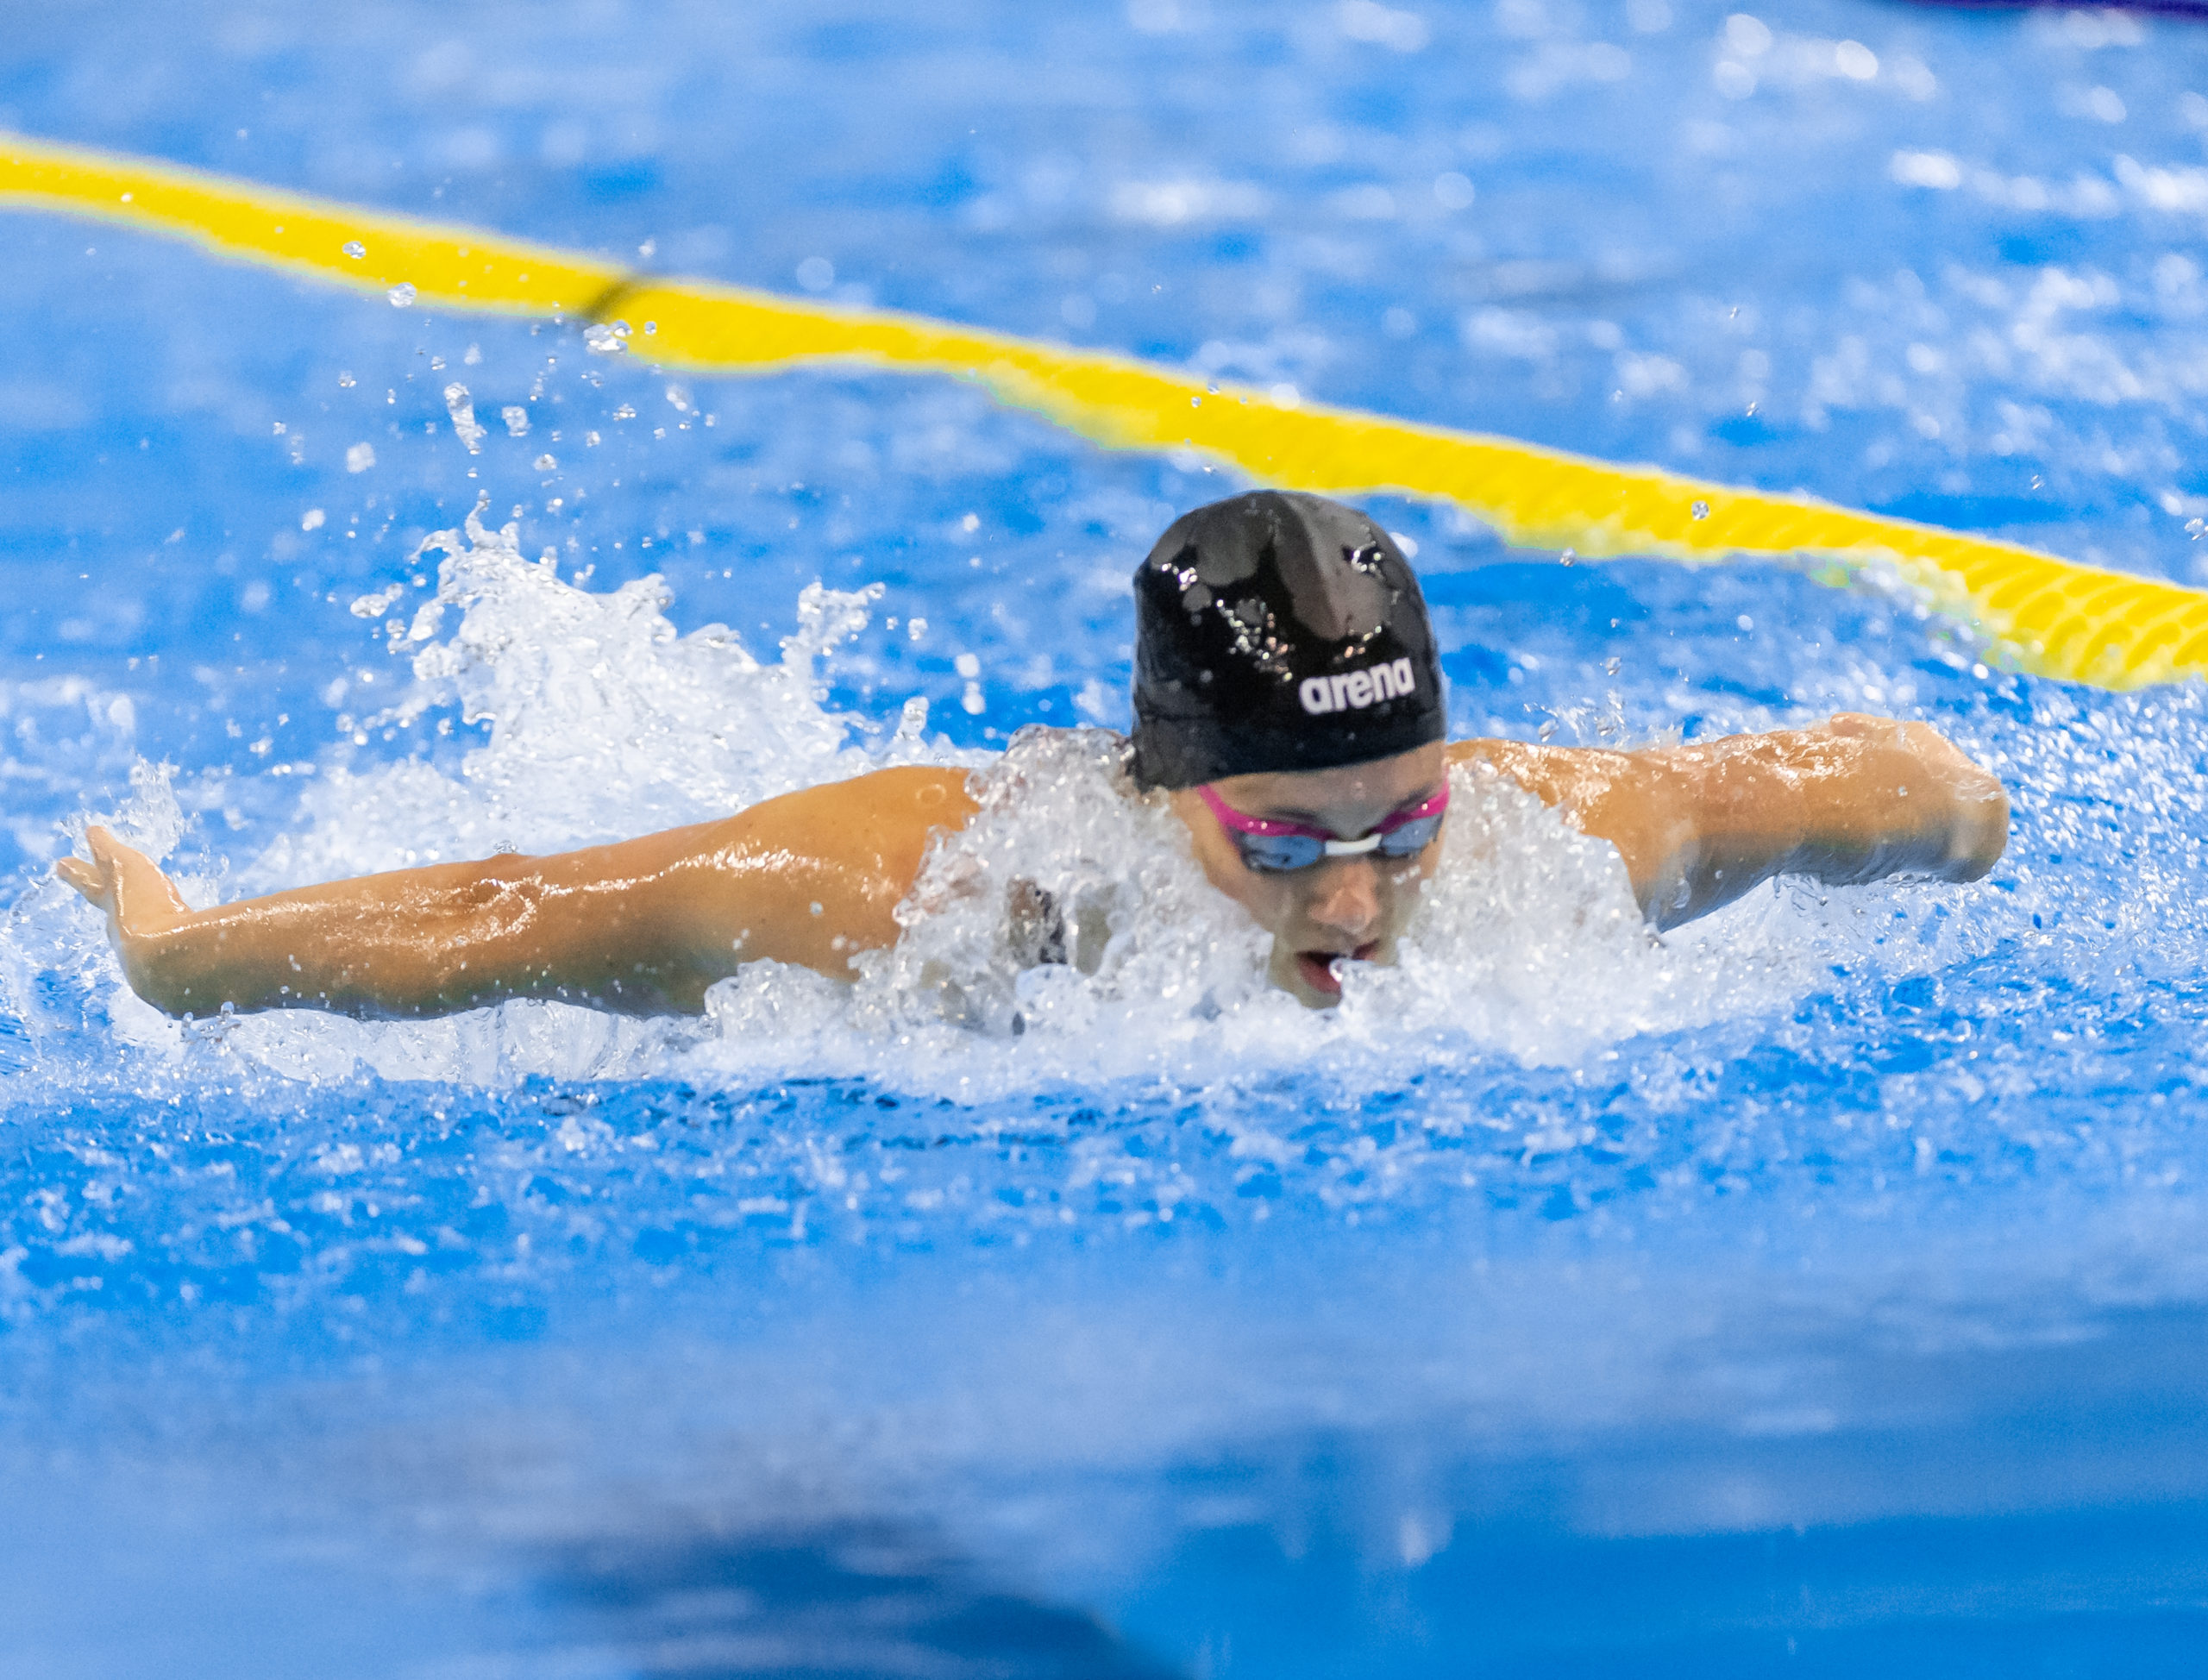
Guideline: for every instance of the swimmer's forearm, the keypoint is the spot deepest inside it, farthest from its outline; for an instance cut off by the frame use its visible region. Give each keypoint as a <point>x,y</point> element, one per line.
<point>421,942</point>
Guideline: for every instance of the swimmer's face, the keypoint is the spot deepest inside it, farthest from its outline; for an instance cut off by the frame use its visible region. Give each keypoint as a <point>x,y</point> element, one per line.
<point>1341,906</point>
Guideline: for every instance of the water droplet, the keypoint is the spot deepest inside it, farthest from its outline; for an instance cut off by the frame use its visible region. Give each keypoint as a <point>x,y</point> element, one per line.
<point>1700,510</point>
<point>402,295</point>
<point>354,249</point>
<point>545,464</point>
<point>462,410</point>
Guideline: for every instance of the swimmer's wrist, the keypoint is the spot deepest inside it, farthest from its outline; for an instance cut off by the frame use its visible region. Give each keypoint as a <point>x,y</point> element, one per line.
<point>168,967</point>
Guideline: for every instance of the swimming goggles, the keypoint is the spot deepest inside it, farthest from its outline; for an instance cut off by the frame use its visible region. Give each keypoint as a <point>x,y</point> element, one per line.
<point>1278,848</point>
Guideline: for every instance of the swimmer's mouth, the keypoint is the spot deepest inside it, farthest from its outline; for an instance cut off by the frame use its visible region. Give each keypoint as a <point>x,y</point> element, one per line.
<point>1317,967</point>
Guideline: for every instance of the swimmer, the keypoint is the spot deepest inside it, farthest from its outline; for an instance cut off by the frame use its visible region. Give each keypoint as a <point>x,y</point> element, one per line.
<point>1288,707</point>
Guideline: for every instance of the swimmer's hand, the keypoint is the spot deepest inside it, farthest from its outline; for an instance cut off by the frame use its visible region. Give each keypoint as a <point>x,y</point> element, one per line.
<point>140,902</point>
<point>1960,827</point>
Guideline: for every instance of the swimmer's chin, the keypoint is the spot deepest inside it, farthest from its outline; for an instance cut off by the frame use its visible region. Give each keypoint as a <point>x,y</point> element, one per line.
<point>1307,975</point>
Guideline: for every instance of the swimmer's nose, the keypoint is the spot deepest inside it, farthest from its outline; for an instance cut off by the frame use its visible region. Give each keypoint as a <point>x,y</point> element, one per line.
<point>1348,897</point>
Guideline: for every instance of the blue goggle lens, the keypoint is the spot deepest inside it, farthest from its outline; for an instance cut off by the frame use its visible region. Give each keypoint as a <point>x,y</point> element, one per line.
<point>1284,854</point>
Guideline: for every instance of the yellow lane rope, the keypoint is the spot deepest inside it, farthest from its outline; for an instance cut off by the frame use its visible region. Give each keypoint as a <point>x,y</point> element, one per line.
<point>2047,615</point>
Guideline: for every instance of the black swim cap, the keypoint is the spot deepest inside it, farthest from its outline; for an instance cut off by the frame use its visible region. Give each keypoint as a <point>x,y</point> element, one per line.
<point>1279,631</point>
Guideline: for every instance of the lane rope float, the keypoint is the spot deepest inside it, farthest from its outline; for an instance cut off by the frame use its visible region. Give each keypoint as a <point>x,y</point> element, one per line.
<point>2045,616</point>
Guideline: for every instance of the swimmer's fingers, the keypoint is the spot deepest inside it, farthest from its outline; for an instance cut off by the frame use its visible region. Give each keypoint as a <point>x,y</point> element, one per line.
<point>88,879</point>
<point>1980,832</point>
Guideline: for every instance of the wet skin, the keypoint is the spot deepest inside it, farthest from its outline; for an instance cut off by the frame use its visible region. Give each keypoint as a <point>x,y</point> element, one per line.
<point>647,925</point>
<point>1340,907</point>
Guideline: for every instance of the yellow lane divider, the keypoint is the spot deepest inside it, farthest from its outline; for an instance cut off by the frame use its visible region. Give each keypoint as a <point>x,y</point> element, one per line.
<point>2047,615</point>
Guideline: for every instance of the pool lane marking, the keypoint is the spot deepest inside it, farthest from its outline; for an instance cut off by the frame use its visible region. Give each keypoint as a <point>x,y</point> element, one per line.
<point>2048,616</point>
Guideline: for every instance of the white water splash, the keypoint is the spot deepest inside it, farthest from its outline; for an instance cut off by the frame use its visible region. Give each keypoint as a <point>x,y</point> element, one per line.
<point>606,723</point>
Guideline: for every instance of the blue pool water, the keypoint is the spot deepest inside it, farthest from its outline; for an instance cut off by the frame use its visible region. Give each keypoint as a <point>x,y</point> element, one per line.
<point>1823,1291</point>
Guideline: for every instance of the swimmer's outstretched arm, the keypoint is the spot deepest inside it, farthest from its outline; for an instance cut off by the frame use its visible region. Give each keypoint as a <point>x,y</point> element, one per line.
<point>1851,801</point>
<point>642,927</point>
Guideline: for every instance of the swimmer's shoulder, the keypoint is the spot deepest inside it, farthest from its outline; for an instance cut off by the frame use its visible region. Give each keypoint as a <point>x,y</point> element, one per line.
<point>895,809</point>
<point>949,795</point>
<point>945,787</point>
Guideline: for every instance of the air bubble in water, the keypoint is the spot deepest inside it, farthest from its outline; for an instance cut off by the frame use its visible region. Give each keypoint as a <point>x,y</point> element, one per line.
<point>546,463</point>
<point>402,295</point>
<point>1700,510</point>
<point>517,419</point>
<point>360,457</point>
<point>354,249</point>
